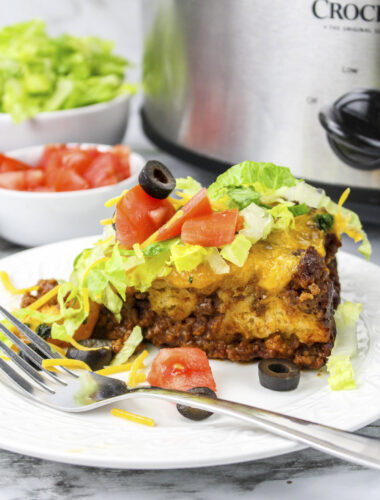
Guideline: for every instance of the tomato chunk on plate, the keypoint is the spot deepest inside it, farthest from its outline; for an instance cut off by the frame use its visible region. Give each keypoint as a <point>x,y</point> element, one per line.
<point>213,230</point>
<point>198,205</point>
<point>181,368</point>
<point>139,215</point>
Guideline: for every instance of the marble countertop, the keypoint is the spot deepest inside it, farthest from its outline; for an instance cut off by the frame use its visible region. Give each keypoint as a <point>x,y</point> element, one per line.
<point>290,476</point>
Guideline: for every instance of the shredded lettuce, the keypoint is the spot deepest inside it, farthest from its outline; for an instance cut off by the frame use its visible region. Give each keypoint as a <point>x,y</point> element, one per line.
<point>249,174</point>
<point>258,223</point>
<point>39,73</point>
<point>237,251</point>
<point>300,209</point>
<point>161,246</point>
<point>217,263</point>
<point>143,275</point>
<point>316,198</point>
<point>242,197</point>
<point>283,217</point>
<point>71,303</point>
<point>187,257</point>
<point>304,193</point>
<point>189,185</point>
<point>129,347</point>
<point>104,277</point>
<point>355,230</point>
<point>345,347</point>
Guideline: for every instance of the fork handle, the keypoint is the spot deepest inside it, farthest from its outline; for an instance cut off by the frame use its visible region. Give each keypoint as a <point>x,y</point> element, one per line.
<point>345,445</point>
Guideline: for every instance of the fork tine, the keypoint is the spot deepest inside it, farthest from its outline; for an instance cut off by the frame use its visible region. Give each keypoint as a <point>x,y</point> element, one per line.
<point>16,378</point>
<point>26,367</point>
<point>33,356</point>
<point>34,338</point>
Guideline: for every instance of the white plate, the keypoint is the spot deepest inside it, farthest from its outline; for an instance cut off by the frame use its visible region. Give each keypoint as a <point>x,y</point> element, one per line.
<point>98,439</point>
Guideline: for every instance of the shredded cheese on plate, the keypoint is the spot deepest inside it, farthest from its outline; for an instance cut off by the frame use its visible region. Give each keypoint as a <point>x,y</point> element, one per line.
<point>9,286</point>
<point>50,364</point>
<point>132,417</point>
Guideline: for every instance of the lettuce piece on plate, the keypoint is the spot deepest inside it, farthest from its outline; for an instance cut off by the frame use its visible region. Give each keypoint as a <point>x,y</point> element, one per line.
<point>129,347</point>
<point>345,347</point>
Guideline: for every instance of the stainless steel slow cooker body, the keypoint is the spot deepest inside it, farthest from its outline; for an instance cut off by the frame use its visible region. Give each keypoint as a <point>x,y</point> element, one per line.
<point>228,80</point>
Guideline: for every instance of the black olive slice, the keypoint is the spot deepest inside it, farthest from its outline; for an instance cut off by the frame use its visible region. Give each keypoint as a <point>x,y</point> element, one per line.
<point>156,180</point>
<point>96,359</point>
<point>195,413</point>
<point>279,374</point>
<point>108,387</point>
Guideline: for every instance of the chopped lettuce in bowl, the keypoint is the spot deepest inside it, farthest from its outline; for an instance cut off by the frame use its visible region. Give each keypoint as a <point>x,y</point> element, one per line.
<point>39,73</point>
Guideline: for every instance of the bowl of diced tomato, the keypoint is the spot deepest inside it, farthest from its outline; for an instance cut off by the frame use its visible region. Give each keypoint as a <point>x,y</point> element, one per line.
<point>55,192</point>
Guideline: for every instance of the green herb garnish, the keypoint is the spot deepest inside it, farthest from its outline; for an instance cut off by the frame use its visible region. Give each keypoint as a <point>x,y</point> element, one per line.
<point>324,221</point>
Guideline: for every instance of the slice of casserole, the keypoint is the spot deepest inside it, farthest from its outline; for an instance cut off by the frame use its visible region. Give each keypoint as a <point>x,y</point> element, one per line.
<point>252,276</point>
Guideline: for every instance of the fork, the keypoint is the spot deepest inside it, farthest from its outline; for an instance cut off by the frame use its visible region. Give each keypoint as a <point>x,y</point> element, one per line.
<point>57,390</point>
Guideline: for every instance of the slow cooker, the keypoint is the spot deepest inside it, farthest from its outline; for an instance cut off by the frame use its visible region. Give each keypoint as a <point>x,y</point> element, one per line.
<point>295,83</point>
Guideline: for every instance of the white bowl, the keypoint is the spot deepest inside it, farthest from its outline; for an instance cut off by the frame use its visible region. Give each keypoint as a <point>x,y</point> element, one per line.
<point>104,123</point>
<point>34,218</point>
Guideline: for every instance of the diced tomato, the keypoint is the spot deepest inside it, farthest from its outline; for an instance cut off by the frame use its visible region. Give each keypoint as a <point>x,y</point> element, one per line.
<point>198,205</point>
<point>8,164</point>
<point>34,177</point>
<point>78,159</point>
<point>101,171</point>
<point>123,154</point>
<point>159,216</point>
<point>181,368</point>
<point>22,180</point>
<point>68,180</point>
<point>13,180</point>
<point>64,168</point>
<point>213,230</point>
<point>138,215</point>
<point>51,155</point>
<point>51,173</point>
